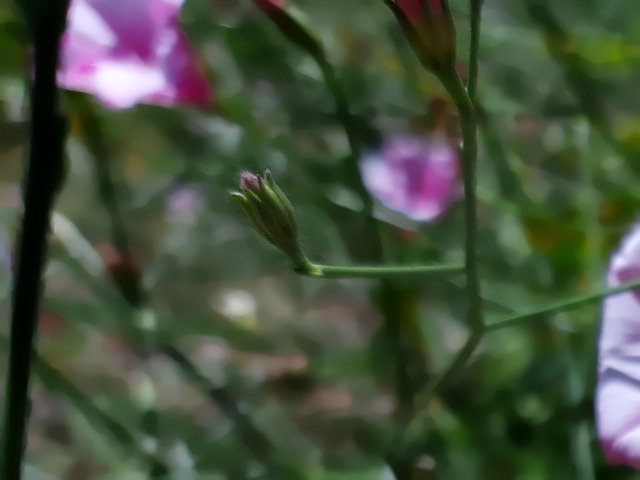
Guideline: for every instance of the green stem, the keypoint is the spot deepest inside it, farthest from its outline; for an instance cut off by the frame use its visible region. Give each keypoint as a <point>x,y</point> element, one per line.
<point>55,381</point>
<point>93,136</point>
<point>384,271</point>
<point>411,426</point>
<point>134,294</point>
<point>469,127</point>
<point>343,112</point>
<point>253,438</point>
<point>458,362</point>
<point>510,190</point>
<point>119,433</point>
<point>474,47</point>
<point>44,173</point>
<point>345,117</point>
<point>392,301</point>
<point>256,442</point>
<point>563,306</point>
<point>298,35</point>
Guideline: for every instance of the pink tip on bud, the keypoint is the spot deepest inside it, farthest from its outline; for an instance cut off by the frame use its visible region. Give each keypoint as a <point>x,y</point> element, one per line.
<point>250,181</point>
<point>271,214</point>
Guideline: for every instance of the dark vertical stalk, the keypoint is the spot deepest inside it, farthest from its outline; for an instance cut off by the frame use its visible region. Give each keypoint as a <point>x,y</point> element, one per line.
<point>475,8</point>
<point>43,176</point>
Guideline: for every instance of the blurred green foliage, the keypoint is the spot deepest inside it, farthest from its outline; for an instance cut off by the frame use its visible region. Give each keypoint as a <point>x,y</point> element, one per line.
<point>297,377</point>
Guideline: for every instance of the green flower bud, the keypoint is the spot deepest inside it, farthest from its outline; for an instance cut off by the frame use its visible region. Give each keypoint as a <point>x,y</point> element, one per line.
<point>271,214</point>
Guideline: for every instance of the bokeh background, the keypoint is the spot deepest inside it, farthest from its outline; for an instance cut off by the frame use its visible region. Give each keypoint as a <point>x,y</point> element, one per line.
<point>175,343</point>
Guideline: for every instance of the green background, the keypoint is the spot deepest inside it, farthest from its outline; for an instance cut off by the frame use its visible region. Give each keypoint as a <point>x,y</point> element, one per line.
<point>311,363</point>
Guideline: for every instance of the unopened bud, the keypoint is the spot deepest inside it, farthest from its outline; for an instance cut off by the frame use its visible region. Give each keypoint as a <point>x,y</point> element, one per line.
<point>429,28</point>
<point>249,181</point>
<point>271,214</point>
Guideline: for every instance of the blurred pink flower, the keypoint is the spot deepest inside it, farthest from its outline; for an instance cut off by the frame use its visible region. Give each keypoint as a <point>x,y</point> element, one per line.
<point>618,391</point>
<point>130,52</point>
<point>413,176</point>
<point>185,203</point>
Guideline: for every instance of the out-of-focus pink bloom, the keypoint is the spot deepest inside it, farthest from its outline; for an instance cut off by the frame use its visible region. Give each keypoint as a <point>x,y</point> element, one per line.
<point>185,204</point>
<point>128,52</point>
<point>413,176</point>
<point>618,391</point>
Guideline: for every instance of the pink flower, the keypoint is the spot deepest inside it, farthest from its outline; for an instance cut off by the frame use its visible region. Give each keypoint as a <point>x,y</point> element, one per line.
<point>618,391</point>
<point>185,203</point>
<point>130,52</point>
<point>415,177</point>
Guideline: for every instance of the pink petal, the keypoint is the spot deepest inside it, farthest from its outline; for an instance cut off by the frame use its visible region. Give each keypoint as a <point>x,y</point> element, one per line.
<point>130,52</point>
<point>182,72</point>
<point>124,18</point>
<point>618,391</point>
<point>122,84</point>
<point>413,177</point>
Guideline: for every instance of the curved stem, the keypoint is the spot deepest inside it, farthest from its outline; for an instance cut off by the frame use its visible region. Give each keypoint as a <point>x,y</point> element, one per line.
<point>299,36</point>
<point>383,271</point>
<point>258,443</point>
<point>469,127</point>
<point>458,362</point>
<point>56,381</point>
<point>93,136</point>
<point>119,433</point>
<point>345,117</point>
<point>563,306</point>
